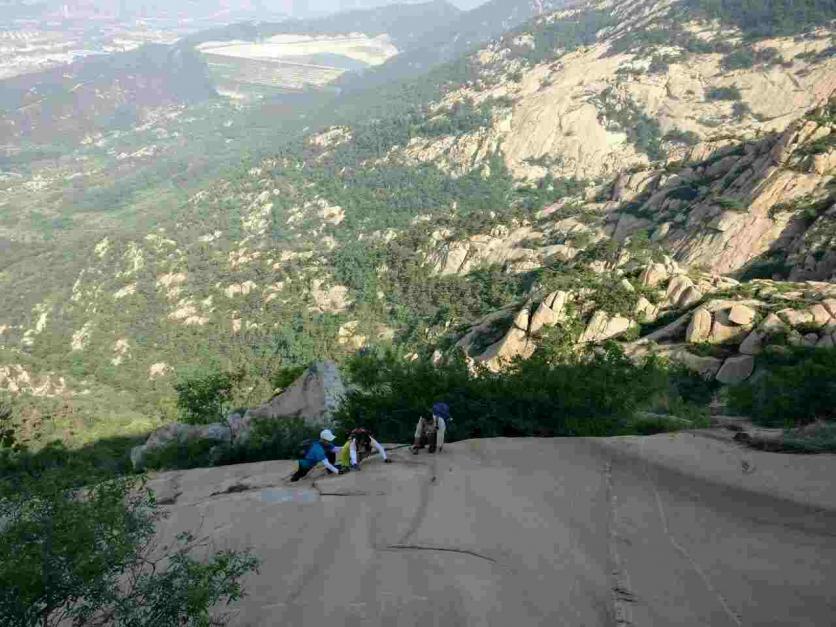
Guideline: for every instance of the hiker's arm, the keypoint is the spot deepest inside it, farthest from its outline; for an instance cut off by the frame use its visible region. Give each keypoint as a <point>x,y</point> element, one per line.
<point>379,448</point>
<point>330,467</point>
<point>442,427</point>
<point>352,452</point>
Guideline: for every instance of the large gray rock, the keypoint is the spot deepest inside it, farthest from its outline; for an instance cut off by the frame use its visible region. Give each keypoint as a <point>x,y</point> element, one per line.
<point>736,369</point>
<point>178,433</point>
<point>703,365</point>
<point>753,344</point>
<point>700,327</point>
<point>315,397</point>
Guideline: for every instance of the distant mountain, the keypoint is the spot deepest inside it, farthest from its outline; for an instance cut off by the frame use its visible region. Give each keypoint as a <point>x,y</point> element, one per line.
<point>408,25</point>
<point>458,36</point>
<point>99,92</point>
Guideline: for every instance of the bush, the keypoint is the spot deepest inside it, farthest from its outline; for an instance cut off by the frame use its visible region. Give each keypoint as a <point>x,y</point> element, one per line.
<point>203,396</point>
<point>595,394</point>
<point>797,387</point>
<point>723,93</point>
<point>87,558</point>
<point>268,439</point>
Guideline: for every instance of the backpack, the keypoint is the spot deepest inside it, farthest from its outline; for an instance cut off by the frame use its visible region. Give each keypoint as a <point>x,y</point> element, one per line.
<point>304,448</point>
<point>363,437</point>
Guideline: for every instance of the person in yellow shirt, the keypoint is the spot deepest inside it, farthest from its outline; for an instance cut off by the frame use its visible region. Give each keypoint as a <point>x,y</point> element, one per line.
<point>357,447</point>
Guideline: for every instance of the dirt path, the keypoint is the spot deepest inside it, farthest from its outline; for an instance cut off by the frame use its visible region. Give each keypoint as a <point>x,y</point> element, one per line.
<point>626,531</point>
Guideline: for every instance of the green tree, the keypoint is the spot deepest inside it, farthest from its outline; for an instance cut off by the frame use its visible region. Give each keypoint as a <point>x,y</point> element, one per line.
<point>86,557</point>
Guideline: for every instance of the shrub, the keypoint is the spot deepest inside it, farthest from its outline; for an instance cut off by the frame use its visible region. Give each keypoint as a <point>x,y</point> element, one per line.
<point>798,386</point>
<point>732,204</point>
<point>87,558</point>
<point>594,394</point>
<point>740,110</point>
<point>270,439</point>
<point>723,93</point>
<point>689,138</point>
<point>203,396</point>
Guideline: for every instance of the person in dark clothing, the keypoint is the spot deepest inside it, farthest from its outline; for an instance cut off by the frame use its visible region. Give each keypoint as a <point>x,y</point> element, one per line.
<point>318,452</point>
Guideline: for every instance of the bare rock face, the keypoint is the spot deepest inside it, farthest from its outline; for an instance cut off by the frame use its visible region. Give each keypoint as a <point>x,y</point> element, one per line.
<point>515,344</point>
<point>736,369</point>
<point>315,397</point>
<point>699,329</point>
<point>549,313</point>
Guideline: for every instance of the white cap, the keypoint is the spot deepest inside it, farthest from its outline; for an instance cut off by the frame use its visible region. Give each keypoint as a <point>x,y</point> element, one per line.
<point>326,435</point>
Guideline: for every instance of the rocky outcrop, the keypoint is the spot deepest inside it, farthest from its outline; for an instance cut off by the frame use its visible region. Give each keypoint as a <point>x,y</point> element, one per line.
<point>315,397</point>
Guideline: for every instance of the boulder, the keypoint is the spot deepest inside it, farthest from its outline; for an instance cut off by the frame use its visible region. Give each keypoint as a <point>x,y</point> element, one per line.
<point>830,305</point>
<point>821,316</point>
<point>702,365</point>
<point>625,283</point>
<point>826,341</point>
<point>736,369</point>
<point>796,317</point>
<point>677,287</point>
<point>723,331</point>
<point>753,344</point>
<point>315,396</point>
<point>645,310</point>
<point>742,315</point>
<point>603,327</point>
<point>653,275</point>
<point>545,316</point>
<point>773,324</point>
<point>690,297</point>
<point>557,301</point>
<point>522,319</point>
<point>700,327</point>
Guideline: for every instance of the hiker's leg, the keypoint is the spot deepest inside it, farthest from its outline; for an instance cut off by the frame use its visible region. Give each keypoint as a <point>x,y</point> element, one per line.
<point>432,441</point>
<point>300,472</point>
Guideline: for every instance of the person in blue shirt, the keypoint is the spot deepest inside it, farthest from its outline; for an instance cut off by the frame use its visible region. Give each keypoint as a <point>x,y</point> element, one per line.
<point>318,452</point>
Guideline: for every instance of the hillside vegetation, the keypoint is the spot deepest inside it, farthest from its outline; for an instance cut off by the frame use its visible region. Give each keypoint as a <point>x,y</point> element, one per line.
<point>602,172</point>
